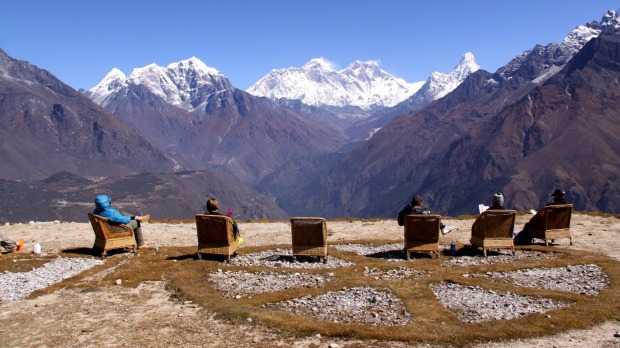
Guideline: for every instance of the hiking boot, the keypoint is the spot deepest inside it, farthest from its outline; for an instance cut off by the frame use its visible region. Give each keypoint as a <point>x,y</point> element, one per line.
<point>144,218</point>
<point>447,229</point>
<point>144,246</point>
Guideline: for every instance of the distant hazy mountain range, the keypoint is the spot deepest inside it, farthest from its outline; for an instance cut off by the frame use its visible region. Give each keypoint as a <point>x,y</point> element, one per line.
<point>358,142</point>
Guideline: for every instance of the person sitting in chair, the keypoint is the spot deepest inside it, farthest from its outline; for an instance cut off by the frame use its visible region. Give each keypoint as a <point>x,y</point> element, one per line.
<point>559,197</point>
<point>213,207</point>
<point>498,202</point>
<point>10,245</point>
<point>525,237</point>
<point>103,204</point>
<point>417,207</point>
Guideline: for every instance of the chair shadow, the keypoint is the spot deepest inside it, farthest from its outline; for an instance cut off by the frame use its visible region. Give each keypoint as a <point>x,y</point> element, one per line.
<point>388,255</point>
<point>472,251</point>
<point>83,251</point>
<point>292,259</point>
<point>193,256</point>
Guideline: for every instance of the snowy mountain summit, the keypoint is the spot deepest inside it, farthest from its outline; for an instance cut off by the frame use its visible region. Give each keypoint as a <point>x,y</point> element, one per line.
<point>439,84</point>
<point>556,56</point>
<point>317,83</point>
<point>184,84</point>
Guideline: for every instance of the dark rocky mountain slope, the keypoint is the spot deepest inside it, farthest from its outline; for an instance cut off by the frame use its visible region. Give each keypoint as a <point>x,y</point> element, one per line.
<point>493,133</point>
<point>59,149</point>
<point>46,126</point>
<point>221,127</point>
<point>65,196</point>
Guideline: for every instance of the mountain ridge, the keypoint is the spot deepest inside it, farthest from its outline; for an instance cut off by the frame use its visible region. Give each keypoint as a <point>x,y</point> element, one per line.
<point>490,134</point>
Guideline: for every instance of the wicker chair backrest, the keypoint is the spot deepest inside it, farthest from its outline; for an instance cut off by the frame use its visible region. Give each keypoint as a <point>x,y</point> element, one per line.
<point>494,224</point>
<point>309,231</point>
<point>422,228</point>
<point>216,229</point>
<point>106,229</point>
<point>552,217</point>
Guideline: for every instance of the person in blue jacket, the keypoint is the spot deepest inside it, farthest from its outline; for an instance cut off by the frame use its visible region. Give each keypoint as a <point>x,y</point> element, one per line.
<point>103,204</point>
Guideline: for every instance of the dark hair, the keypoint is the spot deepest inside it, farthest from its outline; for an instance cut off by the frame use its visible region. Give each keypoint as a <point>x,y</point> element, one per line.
<point>212,205</point>
<point>417,200</point>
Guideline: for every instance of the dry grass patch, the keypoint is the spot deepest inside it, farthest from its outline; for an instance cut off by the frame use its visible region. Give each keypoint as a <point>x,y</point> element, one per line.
<point>428,320</point>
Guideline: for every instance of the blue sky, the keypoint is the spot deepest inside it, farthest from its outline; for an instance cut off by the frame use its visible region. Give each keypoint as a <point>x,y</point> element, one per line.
<point>80,41</point>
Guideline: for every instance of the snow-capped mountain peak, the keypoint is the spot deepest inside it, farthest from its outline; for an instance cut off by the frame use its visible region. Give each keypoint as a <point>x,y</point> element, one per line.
<point>559,55</point>
<point>362,84</point>
<point>111,83</point>
<point>183,83</point>
<point>193,63</point>
<point>318,63</point>
<point>439,84</point>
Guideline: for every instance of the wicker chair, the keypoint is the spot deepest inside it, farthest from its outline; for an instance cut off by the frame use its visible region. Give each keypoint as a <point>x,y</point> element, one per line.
<point>215,236</point>
<point>493,229</point>
<point>110,235</point>
<point>309,237</point>
<point>422,234</point>
<point>552,222</point>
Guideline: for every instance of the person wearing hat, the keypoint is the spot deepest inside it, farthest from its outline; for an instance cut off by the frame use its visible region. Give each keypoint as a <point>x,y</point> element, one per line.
<point>524,237</point>
<point>103,208</point>
<point>417,207</point>
<point>498,202</point>
<point>559,197</point>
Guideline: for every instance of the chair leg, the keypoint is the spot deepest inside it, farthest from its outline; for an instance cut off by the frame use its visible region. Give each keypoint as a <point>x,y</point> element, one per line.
<point>407,256</point>
<point>484,251</point>
<point>570,240</point>
<point>198,256</point>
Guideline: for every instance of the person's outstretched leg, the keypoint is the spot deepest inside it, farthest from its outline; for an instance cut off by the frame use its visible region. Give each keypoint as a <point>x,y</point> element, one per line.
<point>8,244</point>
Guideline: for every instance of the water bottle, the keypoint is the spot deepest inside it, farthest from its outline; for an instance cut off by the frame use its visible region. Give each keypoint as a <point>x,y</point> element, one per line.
<point>453,248</point>
<point>37,248</point>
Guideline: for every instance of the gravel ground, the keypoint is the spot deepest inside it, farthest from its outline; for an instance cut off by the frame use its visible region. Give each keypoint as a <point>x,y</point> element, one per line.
<point>361,305</point>
<point>579,279</point>
<point>503,256</point>
<point>473,304</point>
<point>283,258</point>
<point>391,250</point>
<point>14,286</point>
<point>239,284</point>
<point>397,273</point>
